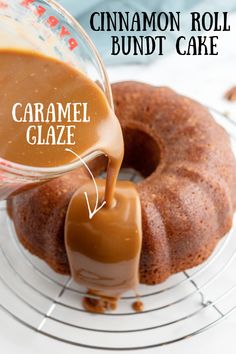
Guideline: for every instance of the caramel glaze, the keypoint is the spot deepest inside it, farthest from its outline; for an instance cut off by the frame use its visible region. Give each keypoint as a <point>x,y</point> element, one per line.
<point>27,77</point>
<point>103,252</point>
<point>99,304</point>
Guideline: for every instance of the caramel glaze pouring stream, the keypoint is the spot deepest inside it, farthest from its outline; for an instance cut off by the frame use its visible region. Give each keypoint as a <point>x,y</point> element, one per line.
<point>103,252</point>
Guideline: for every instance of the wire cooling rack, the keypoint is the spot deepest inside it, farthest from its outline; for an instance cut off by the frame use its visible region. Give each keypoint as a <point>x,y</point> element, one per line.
<point>186,304</point>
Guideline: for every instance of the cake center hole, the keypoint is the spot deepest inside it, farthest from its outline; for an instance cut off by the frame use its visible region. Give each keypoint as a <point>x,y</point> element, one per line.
<point>142,153</point>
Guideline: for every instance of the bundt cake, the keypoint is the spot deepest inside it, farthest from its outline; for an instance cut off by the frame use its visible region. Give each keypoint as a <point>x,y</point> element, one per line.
<point>188,194</point>
<point>39,215</point>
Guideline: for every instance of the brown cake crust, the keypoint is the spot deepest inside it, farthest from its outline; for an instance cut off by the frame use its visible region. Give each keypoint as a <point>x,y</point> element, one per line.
<point>39,216</point>
<point>188,196</point>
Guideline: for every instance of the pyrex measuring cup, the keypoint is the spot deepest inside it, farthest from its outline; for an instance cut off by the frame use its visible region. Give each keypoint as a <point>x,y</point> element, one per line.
<point>46,28</point>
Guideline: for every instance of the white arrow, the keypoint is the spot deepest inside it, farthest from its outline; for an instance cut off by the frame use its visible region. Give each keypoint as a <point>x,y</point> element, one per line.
<point>96,208</point>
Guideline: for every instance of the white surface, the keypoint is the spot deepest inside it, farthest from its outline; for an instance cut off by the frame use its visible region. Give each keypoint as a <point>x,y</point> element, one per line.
<point>18,340</point>
<point>205,79</point>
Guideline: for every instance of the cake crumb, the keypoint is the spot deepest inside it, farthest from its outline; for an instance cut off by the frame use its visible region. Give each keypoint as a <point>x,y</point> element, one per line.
<point>230,95</point>
<point>138,306</point>
<point>99,304</point>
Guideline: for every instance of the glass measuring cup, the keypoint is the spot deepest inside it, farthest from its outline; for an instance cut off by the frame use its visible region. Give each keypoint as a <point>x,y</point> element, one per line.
<point>46,28</point>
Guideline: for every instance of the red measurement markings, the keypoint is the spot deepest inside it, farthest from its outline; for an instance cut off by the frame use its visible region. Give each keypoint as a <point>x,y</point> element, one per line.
<point>26,3</point>
<point>53,22</point>
<point>40,10</point>
<point>3,5</point>
<point>64,32</point>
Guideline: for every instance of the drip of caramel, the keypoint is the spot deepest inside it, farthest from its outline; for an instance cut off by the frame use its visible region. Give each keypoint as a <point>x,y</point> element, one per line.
<point>104,251</point>
<point>138,306</point>
<point>99,304</point>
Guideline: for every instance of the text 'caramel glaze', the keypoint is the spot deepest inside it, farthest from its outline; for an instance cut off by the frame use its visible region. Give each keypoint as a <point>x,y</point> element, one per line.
<point>31,78</point>
<point>36,125</point>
